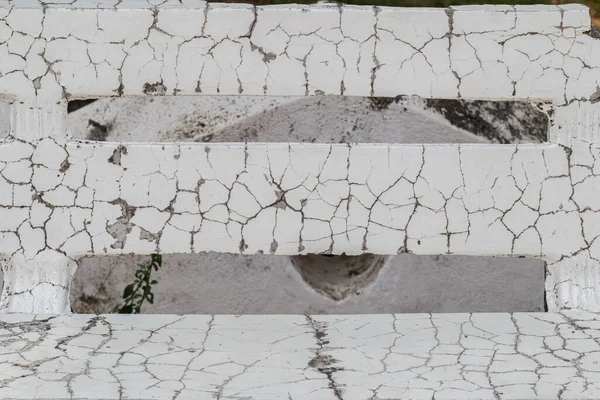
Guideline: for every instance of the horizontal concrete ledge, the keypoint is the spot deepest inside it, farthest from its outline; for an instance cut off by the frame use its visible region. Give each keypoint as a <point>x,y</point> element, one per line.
<point>289,199</point>
<point>199,4</point>
<point>139,48</point>
<point>467,356</point>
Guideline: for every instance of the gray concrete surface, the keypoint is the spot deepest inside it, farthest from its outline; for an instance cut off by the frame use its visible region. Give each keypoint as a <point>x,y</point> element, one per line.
<point>227,283</point>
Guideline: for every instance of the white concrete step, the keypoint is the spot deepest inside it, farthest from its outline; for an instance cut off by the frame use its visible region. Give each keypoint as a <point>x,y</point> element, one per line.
<point>414,356</point>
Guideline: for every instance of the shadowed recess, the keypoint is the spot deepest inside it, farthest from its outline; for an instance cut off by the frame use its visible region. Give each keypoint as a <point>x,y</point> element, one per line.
<point>321,119</point>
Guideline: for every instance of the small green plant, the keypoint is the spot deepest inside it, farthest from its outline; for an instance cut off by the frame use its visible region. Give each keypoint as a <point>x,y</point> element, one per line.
<point>141,288</point>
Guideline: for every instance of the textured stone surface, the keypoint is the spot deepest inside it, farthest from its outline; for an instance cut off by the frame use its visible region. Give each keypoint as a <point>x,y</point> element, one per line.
<point>73,198</point>
<point>418,356</point>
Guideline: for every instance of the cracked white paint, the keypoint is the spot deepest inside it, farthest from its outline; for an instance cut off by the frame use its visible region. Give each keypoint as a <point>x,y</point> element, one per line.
<point>416,356</point>
<point>86,49</point>
<point>64,198</point>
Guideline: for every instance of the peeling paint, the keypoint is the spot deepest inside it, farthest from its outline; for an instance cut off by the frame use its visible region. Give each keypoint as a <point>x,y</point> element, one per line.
<point>595,97</point>
<point>155,89</point>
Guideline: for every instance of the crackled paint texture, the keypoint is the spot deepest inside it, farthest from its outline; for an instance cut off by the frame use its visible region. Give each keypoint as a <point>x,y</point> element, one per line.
<point>61,199</point>
<point>414,356</point>
<point>128,48</point>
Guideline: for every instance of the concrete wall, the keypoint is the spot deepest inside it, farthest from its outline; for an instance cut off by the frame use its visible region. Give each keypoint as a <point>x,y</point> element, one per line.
<point>260,51</point>
<point>226,283</point>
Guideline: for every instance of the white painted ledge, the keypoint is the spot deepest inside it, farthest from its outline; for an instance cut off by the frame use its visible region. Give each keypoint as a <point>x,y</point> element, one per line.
<point>418,356</point>
<point>133,48</point>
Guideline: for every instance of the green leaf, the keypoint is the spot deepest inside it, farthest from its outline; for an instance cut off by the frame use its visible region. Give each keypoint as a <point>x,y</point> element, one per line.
<point>156,261</point>
<point>128,291</point>
<point>126,310</point>
<point>133,296</point>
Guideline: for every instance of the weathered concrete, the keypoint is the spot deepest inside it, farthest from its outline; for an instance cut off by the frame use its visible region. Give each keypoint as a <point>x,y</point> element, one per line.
<point>201,357</point>
<point>288,199</point>
<point>216,283</point>
<point>234,284</point>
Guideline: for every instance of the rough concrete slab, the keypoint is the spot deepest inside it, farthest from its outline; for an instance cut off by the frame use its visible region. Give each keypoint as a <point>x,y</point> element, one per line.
<point>235,284</point>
